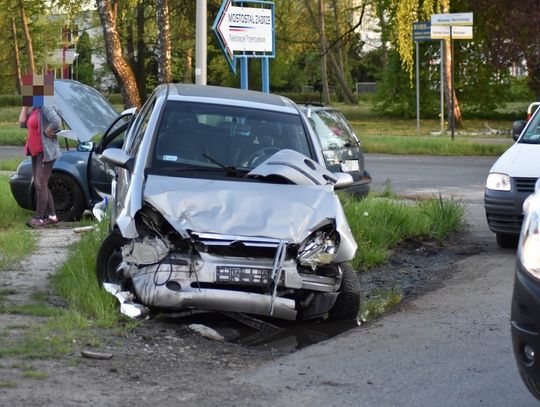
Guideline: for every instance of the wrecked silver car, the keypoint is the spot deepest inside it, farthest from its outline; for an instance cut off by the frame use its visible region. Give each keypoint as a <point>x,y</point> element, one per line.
<point>220,203</point>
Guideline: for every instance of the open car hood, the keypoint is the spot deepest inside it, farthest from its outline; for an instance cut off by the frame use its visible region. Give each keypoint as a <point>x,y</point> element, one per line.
<point>83,108</point>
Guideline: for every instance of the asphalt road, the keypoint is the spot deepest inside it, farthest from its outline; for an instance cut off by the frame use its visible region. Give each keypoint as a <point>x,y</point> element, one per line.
<point>450,347</point>
<point>11,151</point>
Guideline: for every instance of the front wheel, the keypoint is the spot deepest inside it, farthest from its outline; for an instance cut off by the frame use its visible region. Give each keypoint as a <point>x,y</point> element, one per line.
<point>506,241</point>
<point>348,301</point>
<point>532,384</point>
<point>109,258</point>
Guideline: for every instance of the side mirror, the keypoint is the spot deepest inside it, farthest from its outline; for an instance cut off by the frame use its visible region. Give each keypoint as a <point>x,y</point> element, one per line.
<point>344,180</point>
<point>517,128</point>
<point>118,157</point>
<point>85,146</point>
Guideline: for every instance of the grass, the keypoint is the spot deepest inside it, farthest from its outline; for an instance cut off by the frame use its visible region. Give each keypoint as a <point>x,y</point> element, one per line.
<point>31,373</point>
<point>379,302</point>
<point>442,146</point>
<point>10,164</point>
<point>16,240</point>
<point>378,224</point>
<point>7,384</point>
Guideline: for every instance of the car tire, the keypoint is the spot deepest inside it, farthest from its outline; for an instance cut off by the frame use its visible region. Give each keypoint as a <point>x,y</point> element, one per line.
<point>531,384</point>
<point>506,241</point>
<point>347,303</point>
<point>67,196</point>
<point>109,258</point>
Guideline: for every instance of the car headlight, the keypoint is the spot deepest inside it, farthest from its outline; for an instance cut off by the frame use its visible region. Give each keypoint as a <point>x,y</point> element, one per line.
<point>498,182</point>
<point>529,250</point>
<point>319,248</point>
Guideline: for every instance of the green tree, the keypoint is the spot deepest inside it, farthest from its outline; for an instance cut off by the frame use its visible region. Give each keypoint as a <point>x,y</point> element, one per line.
<point>84,67</point>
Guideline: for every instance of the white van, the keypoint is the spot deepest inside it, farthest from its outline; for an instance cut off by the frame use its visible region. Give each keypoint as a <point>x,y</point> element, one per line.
<point>511,180</point>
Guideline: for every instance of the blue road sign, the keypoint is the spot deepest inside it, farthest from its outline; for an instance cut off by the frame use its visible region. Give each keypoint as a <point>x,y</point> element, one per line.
<point>422,31</point>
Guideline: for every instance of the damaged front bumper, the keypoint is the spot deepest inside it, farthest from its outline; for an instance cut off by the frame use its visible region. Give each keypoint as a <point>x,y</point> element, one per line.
<point>208,276</point>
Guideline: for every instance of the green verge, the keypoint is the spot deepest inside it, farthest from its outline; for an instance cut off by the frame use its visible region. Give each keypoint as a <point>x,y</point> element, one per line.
<point>16,240</point>
<point>432,146</point>
<point>10,164</point>
<point>380,223</point>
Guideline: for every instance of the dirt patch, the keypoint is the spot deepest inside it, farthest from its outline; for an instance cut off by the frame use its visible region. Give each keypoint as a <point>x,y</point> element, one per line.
<point>162,362</point>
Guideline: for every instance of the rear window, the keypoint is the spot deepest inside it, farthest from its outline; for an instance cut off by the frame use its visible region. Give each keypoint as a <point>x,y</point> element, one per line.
<point>333,130</point>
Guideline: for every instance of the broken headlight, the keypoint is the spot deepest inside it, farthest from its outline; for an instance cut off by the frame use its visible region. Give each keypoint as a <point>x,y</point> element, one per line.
<point>319,248</point>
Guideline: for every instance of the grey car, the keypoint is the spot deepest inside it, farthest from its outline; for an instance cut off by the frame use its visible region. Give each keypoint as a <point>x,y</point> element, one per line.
<point>79,177</point>
<point>341,146</point>
<point>221,201</point>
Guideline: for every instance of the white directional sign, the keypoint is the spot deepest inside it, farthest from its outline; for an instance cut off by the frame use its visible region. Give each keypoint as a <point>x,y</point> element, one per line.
<point>246,29</point>
<point>452,19</point>
<point>458,33</point>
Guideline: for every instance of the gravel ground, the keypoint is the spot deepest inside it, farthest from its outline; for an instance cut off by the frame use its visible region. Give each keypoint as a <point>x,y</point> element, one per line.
<point>163,362</point>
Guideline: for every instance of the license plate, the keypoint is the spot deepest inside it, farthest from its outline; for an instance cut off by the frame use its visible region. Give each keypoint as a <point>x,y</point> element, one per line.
<point>243,275</point>
<point>349,165</point>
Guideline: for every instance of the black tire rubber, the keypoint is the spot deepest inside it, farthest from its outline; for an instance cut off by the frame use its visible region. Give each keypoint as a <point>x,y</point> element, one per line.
<point>347,304</point>
<point>67,195</point>
<point>532,385</point>
<point>505,241</point>
<point>109,257</point>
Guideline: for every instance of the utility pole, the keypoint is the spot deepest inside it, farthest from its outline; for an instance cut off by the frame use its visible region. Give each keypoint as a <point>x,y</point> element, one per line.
<point>200,43</point>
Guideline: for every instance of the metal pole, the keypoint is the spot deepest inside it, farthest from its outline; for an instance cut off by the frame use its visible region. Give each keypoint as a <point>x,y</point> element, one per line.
<point>442,87</point>
<point>244,80</point>
<point>417,89</point>
<point>265,66</point>
<point>452,126</point>
<point>200,43</point>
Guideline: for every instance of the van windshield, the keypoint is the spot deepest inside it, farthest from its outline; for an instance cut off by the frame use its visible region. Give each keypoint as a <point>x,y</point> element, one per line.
<point>532,133</point>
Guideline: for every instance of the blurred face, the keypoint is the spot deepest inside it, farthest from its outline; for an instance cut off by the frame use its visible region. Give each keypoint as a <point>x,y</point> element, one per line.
<point>38,90</point>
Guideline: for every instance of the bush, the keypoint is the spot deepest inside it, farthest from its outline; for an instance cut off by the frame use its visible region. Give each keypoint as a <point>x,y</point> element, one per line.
<point>10,100</point>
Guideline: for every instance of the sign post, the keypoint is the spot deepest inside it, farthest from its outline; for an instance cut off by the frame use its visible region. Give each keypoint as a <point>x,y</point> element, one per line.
<point>452,26</point>
<point>246,32</point>
<point>421,33</point>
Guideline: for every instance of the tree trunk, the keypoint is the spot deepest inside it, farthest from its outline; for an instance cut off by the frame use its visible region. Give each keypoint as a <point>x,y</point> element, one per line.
<point>449,84</point>
<point>349,96</point>
<point>322,44</point>
<point>113,47</point>
<point>188,67</point>
<point>16,56</point>
<point>140,72</point>
<point>164,42</point>
<point>29,47</point>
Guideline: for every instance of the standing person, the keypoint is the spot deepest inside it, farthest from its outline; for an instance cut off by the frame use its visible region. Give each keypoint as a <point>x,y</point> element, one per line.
<point>42,122</point>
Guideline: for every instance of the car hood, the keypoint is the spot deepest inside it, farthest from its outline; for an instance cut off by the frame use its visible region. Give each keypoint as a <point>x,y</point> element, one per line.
<point>83,108</point>
<point>286,212</point>
<point>520,160</point>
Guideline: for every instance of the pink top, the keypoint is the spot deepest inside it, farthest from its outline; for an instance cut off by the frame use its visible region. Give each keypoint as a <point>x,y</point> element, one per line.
<point>33,143</point>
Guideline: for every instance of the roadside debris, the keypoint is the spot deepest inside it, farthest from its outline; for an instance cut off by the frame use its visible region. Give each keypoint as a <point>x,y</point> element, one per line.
<point>83,229</point>
<point>90,354</point>
<point>206,332</point>
<point>127,306</point>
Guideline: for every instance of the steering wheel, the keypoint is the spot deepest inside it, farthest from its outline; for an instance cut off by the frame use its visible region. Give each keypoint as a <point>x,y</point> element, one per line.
<point>260,155</point>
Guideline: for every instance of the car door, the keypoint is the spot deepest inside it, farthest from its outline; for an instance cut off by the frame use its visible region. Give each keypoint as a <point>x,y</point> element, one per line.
<point>100,173</point>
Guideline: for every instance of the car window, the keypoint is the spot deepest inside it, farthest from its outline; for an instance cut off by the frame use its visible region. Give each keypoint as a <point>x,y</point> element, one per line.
<point>333,130</point>
<point>201,134</point>
<point>140,128</point>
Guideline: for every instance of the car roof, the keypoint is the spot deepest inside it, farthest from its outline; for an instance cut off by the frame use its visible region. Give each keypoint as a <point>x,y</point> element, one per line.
<point>179,91</point>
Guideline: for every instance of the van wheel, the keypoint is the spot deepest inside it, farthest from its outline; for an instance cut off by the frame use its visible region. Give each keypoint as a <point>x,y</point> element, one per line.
<point>506,241</point>
<point>348,301</point>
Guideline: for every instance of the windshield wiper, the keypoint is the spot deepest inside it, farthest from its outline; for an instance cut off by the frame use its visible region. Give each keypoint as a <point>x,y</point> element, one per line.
<point>229,170</point>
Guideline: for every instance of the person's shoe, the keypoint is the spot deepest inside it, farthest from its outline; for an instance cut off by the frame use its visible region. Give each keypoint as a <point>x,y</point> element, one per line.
<point>53,220</point>
<point>36,223</point>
